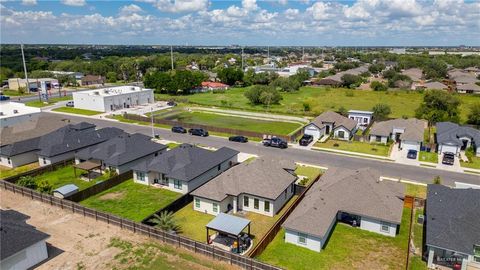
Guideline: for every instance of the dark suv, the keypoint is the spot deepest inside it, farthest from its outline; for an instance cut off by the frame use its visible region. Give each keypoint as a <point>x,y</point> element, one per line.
<point>275,142</point>
<point>306,140</point>
<point>179,130</point>
<point>448,158</point>
<point>198,132</point>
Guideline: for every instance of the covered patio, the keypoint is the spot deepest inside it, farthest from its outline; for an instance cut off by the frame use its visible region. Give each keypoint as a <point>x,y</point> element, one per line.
<point>88,166</point>
<point>230,235</point>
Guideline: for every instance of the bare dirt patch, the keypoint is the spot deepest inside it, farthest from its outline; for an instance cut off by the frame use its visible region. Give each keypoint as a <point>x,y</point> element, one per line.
<point>112,196</point>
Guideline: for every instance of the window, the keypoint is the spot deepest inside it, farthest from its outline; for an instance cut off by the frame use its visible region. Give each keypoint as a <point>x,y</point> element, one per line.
<point>9,161</point>
<point>378,138</point>
<point>215,207</point>
<point>365,120</point>
<point>302,238</point>
<point>197,202</point>
<point>285,193</point>
<point>341,134</point>
<point>476,253</point>
<point>256,203</point>
<point>245,201</point>
<point>140,176</point>
<point>385,227</point>
<point>267,206</point>
<point>292,187</point>
<point>44,161</point>
<point>219,167</point>
<point>177,184</point>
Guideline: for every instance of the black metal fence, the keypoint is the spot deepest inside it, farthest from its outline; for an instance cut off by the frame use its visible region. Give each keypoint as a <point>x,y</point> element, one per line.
<point>172,207</point>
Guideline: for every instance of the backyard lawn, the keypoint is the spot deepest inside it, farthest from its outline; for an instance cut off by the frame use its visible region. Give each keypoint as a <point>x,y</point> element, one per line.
<point>131,200</point>
<point>76,111</point>
<point>354,146</point>
<point>43,103</point>
<point>65,175</point>
<point>416,262</point>
<point>402,103</point>
<point>431,157</point>
<point>7,172</point>
<point>419,191</point>
<point>347,248</point>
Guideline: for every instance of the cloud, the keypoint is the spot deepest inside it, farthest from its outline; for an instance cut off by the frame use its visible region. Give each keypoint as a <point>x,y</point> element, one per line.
<point>29,2</point>
<point>129,9</point>
<point>74,3</point>
<point>250,5</point>
<point>177,6</point>
<point>283,2</point>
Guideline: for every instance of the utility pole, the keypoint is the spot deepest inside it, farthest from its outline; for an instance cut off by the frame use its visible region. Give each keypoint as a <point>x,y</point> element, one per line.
<point>171,55</point>
<point>25,69</point>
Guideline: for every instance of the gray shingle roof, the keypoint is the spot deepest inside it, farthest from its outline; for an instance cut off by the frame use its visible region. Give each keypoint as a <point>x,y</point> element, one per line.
<point>435,85</point>
<point>335,118</point>
<point>414,128</point>
<point>20,147</point>
<point>16,234</point>
<point>353,191</point>
<point>415,74</point>
<point>264,177</point>
<point>186,161</point>
<point>121,149</point>
<point>449,133</point>
<point>469,87</point>
<point>453,218</point>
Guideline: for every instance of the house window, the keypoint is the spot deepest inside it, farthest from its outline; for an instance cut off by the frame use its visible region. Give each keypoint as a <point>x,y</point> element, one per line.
<point>215,207</point>
<point>44,161</point>
<point>378,138</point>
<point>256,204</point>
<point>302,238</point>
<point>365,120</point>
<point>385,227</point>
<point>267,206</point>
<point>140,176</point>
<point>341,134</point>
<point>9,161</point>
<point>245,201</point>
<point>219,167</point>
<point>476,253</point>
<point>292,187</point>
<point>285,193</point>
<point>197,202</point>
<point>177,184</point>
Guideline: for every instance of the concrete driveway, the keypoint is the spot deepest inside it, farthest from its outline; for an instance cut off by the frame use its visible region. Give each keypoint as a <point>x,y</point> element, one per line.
<point>400,156</point>
<point>456,167</point>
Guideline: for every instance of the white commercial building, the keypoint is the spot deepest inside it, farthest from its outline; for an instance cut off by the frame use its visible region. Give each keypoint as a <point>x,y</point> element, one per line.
<point>12,113</point>
<point>113,98</point>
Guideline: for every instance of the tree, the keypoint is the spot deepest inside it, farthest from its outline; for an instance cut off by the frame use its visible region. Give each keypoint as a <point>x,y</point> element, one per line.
<point>376,68</point>
<point>166,221</point>
<point>351,81</point>
<point>378,86</point>
<point>343,111</point>
<point>381,111</point>
<point>230,75</point>
<point>474,115</point>
<point>437,180</point>
<point>112,77</point>
<point>262,94</point>
<point>286,84</point>
<point>27,181</point>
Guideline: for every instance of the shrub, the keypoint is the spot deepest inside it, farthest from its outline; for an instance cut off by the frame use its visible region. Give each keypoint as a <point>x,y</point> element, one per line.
<point>336,145</point>
<point>45,187</point>
<point>27,181</point>
<point>437,180</point>
<point>166,221</point>
<point>304,181</point>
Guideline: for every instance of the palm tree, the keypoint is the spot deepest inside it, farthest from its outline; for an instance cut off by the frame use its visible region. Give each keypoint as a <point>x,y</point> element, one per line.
<point>166,221</point>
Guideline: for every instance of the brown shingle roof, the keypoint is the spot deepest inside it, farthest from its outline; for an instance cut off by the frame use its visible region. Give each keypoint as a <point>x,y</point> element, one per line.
<point>414,128</point>
<point>335,118</point>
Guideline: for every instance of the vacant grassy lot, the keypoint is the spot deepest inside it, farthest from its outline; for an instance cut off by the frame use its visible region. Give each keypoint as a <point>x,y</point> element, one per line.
<point>65,175</point>
<point>240,123</point>
<point>131,200</point>
<point>347,248</point>
<point>7,172</point>
<point>76,111</point>
<point>354,146</point>
<point>322,99</point>
<point>428,157</point>
<point>44,103</point>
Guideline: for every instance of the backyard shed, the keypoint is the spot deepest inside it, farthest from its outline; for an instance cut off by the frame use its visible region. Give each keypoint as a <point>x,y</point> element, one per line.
<point>65,191</point>
<point>228,225</point>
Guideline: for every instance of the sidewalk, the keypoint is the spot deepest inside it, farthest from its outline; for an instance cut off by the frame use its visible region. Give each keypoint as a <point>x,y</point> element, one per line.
<point>349,153</point>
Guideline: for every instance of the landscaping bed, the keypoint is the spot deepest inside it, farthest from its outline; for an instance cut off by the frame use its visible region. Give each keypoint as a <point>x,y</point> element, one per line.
<point>43,103</point>
<point>131,200</point>
<point>354,146</point>
<point>76,111</point>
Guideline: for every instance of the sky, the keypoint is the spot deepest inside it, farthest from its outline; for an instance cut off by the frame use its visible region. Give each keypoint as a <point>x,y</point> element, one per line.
<point>246,22</point>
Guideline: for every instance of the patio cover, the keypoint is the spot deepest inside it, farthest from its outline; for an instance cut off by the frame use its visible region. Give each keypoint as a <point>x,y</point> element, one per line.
<point>88,165</point>
<point>228,224</point>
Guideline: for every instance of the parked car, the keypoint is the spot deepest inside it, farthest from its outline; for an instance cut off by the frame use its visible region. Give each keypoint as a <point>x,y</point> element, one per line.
<point>171,103</point>
<point>69,104</point>
<point>412,154</point>
<point>198,132</point>
<point>448,158</point>
<point>306,140</point>
<point>179,130</point>
<point>275,142</point>
<point>241,139</point>
<point>3,98</point>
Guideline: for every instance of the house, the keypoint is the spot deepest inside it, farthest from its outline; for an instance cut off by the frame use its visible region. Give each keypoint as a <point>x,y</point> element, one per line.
<point>415,74</point>
<point>15,113</point>
<point>19,153</point>
<point>434,85</point>
<point>113,98</point>
<point>454,138</point>
<point>452,226</point>
<point>358,196</point>
<point>407,132</point>
<point>23,246</point>
<point>34,84</point>
<point>213,86</point>
<point>330,122</point>
<point>65,191</point>
<point>363,118</point>
<point>184,168</point>
<point>469,88</point>
<point>121,153</point>
<point>330,81</point>
<point>262,186</point>
<point>92,80</point>
<point>465,79</point>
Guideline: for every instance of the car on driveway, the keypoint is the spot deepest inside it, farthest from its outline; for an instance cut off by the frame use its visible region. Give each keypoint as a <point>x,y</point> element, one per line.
<point>412,154</point>
<point>275,142</point>
<point>448,158</point>
<point>69,104</point>
<point>3,98</point>
<point>179,130</point>
<point>241,139</point>
<point>306,140</point>
<point>198,132</point>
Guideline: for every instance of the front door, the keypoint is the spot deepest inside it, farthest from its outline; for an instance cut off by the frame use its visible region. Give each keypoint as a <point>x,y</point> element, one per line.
<point>327,129</point>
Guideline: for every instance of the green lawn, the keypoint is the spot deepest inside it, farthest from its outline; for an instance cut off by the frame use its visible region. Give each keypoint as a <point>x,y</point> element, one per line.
<point>473,164</point>
<point>416,262</point>
<point>131,200</point>
<point>402,103</point>
<point>52,100</point>
<point>354,146</point>
<point>310,172</point>
<point>347,248</point>
<point>7,172</point>
<point>65,175</point>
<point>76,111</point>
<point>173,145</point>
<point>428,157</point>
<point>416,190</point>
<point>13,93</point>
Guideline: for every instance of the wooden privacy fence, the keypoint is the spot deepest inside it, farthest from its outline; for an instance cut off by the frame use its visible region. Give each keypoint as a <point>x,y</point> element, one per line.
<point>142,229</point>
<point>102,186</point>
<point>291,138</point>
<point>39,170</point>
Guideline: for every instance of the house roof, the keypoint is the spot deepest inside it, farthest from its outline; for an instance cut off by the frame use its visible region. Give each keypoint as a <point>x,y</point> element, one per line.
<point>228,224</point>
<point>186,162</point>
<point>88,78</point>
<point>263,177</point>
<point>435,85</point>
<point>360,112</point>
<point>469,86</point>
<point>335,118</point>
<point>415,74</point>
<point>414,128</point>
<point>15,234</point>
<point>464,79</point>
<point>357,192</point>
<point>214,84</point>
<point>20,147</point>
<point>453,218</point>
<point>330,80</point>
<point>450,133</point>
<point>66,189</point>
<point>121,149</point>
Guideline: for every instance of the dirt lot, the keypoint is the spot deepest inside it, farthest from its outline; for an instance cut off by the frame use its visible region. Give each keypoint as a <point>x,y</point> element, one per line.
<point>83,243</point>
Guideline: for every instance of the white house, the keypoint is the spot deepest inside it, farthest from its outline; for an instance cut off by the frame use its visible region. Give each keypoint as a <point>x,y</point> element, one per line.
<point>333,123</point>
<point>262,186</point>
<point>23,246</point>
<point>345,195</point>
<point>184,168</point>
<point>407,132</point>
<point>14,113</point>
<point>454,138</point>
<point>113,98</point>
<point>363,118</point>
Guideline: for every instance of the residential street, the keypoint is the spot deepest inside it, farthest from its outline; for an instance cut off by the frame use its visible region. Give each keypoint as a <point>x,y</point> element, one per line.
<point>389,169</point>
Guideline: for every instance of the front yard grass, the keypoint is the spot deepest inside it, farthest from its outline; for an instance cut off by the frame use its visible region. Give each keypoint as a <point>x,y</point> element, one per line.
<point>474,163</point>
<point>347,248</point>
<point>131,200</point>
<point>354,146</point>
<point>43,103</point>
<point>7,172</point>
<point>419,191</point>
<point>14,93</point>
<point>65,175</point>
<point>431,157</point>
<point>76,111</point>
<point>310,172</point>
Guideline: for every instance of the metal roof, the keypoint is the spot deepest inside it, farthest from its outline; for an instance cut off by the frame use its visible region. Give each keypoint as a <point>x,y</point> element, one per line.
<point>228,224</point>
<point>67,189</point>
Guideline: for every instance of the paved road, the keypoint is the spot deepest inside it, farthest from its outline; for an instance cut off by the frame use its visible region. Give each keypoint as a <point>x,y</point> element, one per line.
<point>389,169</point>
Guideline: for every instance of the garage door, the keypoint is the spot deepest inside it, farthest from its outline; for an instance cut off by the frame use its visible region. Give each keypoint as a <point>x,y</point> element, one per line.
<point>312,130</point>
<point>449,148</point>
<point>406,145</point>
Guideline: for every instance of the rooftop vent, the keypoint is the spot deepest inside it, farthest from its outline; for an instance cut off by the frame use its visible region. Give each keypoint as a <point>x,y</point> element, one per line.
<point>96,93</point>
